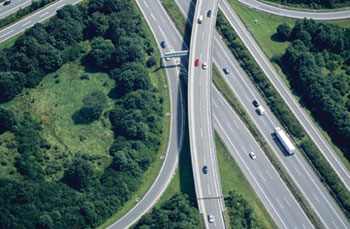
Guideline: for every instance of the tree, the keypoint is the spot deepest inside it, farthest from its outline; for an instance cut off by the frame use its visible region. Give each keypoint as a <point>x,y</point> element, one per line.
<point>102,53</point>
<point>7,120</point>
<point>284,31</point>
<point>11,84</point>
<point>93,105</point>
<point>131,78</point>
<point>98,25</point>
<point>151,62</point>
<point>81,174</point>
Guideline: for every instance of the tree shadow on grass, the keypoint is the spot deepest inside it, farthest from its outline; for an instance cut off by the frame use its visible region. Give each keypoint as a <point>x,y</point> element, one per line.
<point>80,118</point>
<point>274,37</point>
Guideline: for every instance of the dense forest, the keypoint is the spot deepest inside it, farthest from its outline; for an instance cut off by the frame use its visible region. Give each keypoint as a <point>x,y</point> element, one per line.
<point>317,64</point>
<point>107,36</point>
<point>177,212</point>
<point>315,3</point>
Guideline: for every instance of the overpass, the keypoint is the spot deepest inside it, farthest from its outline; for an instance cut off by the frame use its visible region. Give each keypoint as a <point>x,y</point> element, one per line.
<point>203,154</point>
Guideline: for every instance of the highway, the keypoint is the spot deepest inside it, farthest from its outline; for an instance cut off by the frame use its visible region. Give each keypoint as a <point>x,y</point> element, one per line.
<point>303,176</point>
<point>208,186</point>
<point>44,15</point>
<point>261,174</point>
<point>177,115</point>
<point>286,94</point>
<point>13,7</point>
<point>299,14</point>
<point>29,21</point>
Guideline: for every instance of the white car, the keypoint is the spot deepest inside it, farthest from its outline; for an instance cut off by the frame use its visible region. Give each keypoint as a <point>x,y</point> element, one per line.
<point>204,65</point>
<point>252,155</point>
<point>211,218</point>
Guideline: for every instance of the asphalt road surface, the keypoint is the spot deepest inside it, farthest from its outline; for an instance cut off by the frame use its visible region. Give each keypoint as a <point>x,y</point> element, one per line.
<point>208,186</point>
<point>297,167</point>
<point>264,63</point>
<point>299,14</point>
<point>266,182</point>
<point>177,115</point>
<point>31,20</point>
<point>13,7</point>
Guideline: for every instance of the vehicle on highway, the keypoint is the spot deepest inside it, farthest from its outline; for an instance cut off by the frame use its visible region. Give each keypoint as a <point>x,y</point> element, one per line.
<point>286,142</point>
<point>196,63</point>
<point>252,155</point>
<point>211,218</point>
<point>209,13</point>
<point>205,169</point>
<point>255,103</point>
<point>204,65</point>
<point>226,71</point>
<point>260,109</point>
<point>167,58</point>
<point>200,19</point>
<point>163,44</point>
<point>7,2</point>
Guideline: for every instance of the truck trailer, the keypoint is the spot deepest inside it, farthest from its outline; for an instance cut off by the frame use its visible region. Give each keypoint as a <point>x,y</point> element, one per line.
<point>286,142</point>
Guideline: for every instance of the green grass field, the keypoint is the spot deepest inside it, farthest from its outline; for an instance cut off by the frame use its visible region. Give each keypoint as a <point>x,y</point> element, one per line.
<point>55,101</point>
<point>265,28</point>
<point>232,178</point>
<point>263,32</point>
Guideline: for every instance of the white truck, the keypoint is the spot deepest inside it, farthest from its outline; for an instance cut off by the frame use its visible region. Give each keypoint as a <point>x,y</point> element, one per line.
<point>288,145</point>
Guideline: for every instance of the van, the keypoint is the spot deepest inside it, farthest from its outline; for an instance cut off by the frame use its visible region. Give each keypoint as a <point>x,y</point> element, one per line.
<point>260,110</point>
<point>200,19</point>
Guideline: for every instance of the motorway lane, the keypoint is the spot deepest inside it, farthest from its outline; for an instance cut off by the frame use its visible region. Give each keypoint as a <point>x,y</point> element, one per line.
<point>270,188</point>
<point>286,94</point>
<point>13,7</point>
<point>299,14</point>
<point>208,186</point>
<point>261,174</point>
<point>296,165</point>
<point>177,115</point>
<point>31,20</point>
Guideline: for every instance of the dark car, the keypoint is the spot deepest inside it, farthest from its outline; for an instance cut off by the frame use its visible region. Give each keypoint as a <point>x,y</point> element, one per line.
<point>226,71</point>
<point>209,13</point>
<point>255,103</point>
<point>205,169</point>
<point>7,2</point>
<point>163,44</point>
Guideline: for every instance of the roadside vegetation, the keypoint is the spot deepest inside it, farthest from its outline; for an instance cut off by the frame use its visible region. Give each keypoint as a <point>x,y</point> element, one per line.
<point>22,12</point>
<point>313,4</point>
<point>236,106</point>
<point>281,110</point>
<point>76,135</point>
<point>243,205</point>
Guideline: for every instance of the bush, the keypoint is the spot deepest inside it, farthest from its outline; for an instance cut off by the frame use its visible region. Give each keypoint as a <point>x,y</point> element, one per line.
<point>151,62</point>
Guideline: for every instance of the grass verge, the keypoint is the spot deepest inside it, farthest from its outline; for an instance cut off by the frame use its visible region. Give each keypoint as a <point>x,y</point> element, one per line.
<point>159,80</point>
<point>232,178</point>
<point>181,23</point>
<point>235,104</point>
<point>10,42</point>
<point>263,31</point>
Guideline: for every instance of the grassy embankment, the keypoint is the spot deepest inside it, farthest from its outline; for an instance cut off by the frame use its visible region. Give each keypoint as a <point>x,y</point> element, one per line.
<point>263,31</point>
<point>229,166</point>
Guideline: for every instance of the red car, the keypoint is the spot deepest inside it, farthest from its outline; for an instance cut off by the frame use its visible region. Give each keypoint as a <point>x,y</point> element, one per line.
<point>196,63</point>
